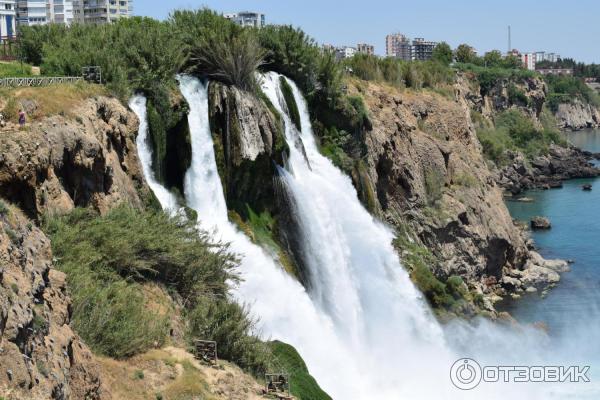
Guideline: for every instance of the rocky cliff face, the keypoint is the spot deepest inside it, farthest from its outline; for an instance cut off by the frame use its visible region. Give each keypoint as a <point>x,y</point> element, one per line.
<point>248,141</point>
<point>527,95</point>
<point>546,171</point>
<point>63,162</point>
<point>426,165</point>
<point>577,115</point>
<point>40,356</point>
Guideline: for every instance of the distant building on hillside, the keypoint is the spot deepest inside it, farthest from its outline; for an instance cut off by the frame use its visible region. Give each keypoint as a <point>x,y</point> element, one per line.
<point>422,49</point>
<point>365,48</point>
<point>528,60</point>
<point>247,18</point>
<point>41,12</point>
<point>8,14</point>
<point>398,45</point>
<point>100,11</point>
<point>556,71</point>
<point>344,52</point>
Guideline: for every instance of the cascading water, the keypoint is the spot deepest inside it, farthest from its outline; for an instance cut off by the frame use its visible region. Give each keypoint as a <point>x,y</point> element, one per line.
<point>166,199</point>
<point>356,276</point>
<point>363,329</point>
<point>283,306</point>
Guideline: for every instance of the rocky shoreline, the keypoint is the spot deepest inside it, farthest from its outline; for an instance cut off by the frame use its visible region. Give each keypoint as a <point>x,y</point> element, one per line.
<point>547,171</point>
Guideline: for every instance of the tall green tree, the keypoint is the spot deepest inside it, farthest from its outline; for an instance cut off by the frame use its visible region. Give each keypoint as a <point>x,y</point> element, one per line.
<point>442,53</point>
<point>464,54</point>
<point>492,58</point>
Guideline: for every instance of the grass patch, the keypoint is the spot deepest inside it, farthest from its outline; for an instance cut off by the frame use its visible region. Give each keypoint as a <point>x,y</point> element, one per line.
<point>14,69</point>
<point>302,383</point>
<point>4,210</point>
<point>40,102</point>
<point>189,386</point>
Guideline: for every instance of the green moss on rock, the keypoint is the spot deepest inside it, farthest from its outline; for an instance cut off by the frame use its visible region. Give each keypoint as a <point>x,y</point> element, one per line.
<point>290,101</point>
<point>302,384</point>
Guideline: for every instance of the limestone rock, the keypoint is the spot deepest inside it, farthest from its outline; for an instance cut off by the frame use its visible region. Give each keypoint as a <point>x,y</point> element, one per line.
<point>427,168</point>
<point>40,355</point>
<point>540,223</point>
<point>65,161</point>
<point>576,116</point>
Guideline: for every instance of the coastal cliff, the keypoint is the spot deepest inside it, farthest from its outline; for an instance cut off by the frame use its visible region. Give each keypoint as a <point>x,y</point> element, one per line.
<point>61,162</point>
<point>41,357</point>
<point>577,115</point>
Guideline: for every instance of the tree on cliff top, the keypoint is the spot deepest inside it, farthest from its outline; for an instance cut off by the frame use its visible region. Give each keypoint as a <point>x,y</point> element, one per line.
<point>442,53</point>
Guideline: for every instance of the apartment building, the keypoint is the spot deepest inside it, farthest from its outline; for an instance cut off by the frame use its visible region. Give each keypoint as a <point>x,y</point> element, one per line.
<point>528,60</point>
<point>7,19</point>
<point>60,11</point>
<point>422,49</point>
<point>101,11</point>
<point>365,48</point>
<point>32,12</point>
<point>398,45</point>
<point>344,52</point>
<point>247,18</point>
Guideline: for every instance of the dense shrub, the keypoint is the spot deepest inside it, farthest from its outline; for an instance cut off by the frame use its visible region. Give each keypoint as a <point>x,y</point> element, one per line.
<point>412,74</point>
<point>515,131</point>
<point>232,328</point>
<point>566,89</point>
<point>108,258</point>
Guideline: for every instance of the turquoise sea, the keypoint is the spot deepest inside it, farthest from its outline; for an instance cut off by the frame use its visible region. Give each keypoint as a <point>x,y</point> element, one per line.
<point>571,310</point>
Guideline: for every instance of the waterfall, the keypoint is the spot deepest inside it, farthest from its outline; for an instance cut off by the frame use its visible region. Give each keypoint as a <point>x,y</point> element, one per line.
<point>166,199</point>
<point>285,310</point>
<point>362,328</point>
<point>357,278</point>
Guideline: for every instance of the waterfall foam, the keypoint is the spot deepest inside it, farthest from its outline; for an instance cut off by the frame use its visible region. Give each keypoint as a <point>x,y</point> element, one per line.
<point>363,329</point>
<point>285,310</point>
<point>166,199</point>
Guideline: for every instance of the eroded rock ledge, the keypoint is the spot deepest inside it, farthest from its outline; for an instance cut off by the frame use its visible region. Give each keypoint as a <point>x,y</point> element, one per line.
<point>87,159</point>
<point>548,171</point>
<point>40,355</point>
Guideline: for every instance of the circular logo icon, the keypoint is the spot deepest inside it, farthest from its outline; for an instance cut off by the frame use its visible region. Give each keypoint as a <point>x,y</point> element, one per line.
<point>465,374</point>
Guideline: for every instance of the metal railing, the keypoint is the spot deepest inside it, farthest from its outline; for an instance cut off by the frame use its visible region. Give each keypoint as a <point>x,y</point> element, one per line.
<point>38,81</point>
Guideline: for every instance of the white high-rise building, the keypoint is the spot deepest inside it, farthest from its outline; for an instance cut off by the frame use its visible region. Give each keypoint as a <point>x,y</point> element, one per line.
<point>101,11</point>
<point>8,27</point>
<point>32,12</point>
<point>60,11</point>
<point>247,18</point>
<point>40,12</point>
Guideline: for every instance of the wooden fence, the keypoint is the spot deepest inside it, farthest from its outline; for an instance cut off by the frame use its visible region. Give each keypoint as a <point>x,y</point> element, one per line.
<point>38,81</point>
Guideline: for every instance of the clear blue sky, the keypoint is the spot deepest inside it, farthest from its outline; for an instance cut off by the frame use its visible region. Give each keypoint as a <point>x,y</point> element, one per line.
<point>570,28</point>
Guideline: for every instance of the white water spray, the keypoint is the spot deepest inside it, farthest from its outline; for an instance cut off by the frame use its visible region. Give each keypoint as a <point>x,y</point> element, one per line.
<point>364,332</point>
<point>283,306</point>
<point>166,199</point>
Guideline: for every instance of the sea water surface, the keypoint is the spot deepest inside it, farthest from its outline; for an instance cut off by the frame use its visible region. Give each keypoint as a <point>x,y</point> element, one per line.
<point>571,311</point>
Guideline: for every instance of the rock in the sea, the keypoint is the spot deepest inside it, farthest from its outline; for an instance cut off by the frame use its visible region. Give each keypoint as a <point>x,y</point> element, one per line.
<point>525,200</point>
<point>540,223</point>
<point>587,187</point>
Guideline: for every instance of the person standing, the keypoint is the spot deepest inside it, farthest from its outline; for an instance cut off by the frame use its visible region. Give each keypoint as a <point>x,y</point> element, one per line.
<point>21,118</point>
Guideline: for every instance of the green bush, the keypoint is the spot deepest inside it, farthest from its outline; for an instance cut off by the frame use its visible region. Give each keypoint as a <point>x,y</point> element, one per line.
<point>4,210</point>
<point>303,386</point>
<point>105,273</point>
<point>232,328</point>
<point>566,89</point>
<point>517,96</point>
